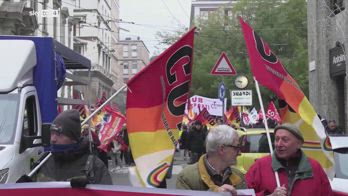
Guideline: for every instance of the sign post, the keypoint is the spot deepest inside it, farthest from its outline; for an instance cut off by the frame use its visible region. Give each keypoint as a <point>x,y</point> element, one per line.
<point>221,93</point>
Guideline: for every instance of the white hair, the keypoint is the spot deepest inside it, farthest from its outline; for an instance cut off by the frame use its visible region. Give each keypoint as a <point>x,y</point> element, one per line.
<point>219,136</point>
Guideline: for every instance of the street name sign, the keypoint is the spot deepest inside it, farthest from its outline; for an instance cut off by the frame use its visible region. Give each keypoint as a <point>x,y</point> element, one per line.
<point>241,98</point>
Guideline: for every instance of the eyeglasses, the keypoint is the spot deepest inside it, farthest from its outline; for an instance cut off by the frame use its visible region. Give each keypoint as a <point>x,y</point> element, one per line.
<point>232,146</point>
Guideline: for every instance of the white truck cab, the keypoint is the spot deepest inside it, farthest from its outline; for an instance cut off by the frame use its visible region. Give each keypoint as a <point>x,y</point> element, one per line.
<point>28,100</point>
<point>20,117</point>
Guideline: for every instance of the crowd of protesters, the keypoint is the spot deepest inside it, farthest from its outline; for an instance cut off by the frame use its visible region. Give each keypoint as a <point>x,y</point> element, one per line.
<point>210,155</point>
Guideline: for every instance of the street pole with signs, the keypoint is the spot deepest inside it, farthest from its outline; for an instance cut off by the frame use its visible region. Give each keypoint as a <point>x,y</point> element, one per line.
<point>221,93</point>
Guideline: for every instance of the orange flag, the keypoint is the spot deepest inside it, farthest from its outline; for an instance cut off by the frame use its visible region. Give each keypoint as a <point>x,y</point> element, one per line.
<point>156,100</point>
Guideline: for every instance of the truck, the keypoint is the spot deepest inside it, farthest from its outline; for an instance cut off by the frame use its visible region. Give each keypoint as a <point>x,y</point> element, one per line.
<point>32,71</point>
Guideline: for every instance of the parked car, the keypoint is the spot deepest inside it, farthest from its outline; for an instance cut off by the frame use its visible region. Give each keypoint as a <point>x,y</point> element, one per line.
<point>254,145</point>
<point>339,183</point>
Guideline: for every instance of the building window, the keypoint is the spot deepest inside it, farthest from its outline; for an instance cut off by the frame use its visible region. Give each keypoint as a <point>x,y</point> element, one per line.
<point>33,4</point>
<point>134,51</point>
<point>204,13</point>
<point>134,67</point>
<point>78,48</point>
<point>125,68</point>
<point>125,51</point>
<point>336,6</point>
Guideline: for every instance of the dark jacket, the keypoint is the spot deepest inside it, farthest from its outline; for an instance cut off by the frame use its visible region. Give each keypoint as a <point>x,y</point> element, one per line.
<point>196,140</point>
<point>184,140</point>
<point>65,165</point>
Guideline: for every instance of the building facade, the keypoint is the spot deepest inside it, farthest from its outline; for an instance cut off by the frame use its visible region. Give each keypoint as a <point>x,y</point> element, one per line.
<point>95,30</point>
<point>89,27</point>
<point>201,9</point>
<point>16,18</point>
<point>327,30</point>
<point>134,56</point>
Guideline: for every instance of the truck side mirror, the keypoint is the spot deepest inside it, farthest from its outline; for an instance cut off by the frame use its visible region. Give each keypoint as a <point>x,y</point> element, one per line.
<point>31,141</point>
<point>46,134</point>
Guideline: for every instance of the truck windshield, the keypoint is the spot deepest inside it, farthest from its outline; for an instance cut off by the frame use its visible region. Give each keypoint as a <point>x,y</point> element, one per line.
<point>9,104</point>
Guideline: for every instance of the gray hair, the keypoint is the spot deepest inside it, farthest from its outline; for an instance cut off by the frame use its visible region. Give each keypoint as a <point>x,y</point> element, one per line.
<point>219,136</point>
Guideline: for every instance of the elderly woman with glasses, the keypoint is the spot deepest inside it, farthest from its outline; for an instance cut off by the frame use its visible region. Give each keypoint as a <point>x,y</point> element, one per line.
<point>213,171</point>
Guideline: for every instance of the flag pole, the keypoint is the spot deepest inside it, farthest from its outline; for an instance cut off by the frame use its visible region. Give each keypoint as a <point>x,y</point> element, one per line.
<point>266,126</point>
<point>102,105</point>
<point>84,122</point>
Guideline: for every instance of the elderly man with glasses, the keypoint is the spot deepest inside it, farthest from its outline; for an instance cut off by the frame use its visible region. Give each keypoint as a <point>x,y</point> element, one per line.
<point>213,171</point>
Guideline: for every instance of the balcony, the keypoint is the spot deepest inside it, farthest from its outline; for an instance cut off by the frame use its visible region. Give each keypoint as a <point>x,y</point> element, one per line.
<point>101,69</point>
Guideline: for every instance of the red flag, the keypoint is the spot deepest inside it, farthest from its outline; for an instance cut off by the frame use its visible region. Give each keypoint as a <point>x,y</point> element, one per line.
<point>272,112</point>
<point>101,100</point>
<point>113,122</point>
<point>82,108</point>
<point>260,114</point>
<point>268,70</point>
<point>156,100</point>
<point>246,118</point>
<point>232,116</point>
<point>227,115</point>
<point>206,118</point>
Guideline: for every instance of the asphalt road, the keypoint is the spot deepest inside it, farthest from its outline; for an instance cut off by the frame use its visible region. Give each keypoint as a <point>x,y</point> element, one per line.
<point>121,176</point>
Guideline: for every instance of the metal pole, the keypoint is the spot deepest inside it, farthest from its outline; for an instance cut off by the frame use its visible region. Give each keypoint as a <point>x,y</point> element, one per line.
<point>223,107</point>
<point>106,102</point>
<point>266,126</point>
<point>84,122</point>
<point>40,164</point>
<point>90,138</point>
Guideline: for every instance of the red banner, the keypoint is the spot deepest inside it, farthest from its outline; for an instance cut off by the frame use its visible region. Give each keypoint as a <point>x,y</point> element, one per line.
<point>63,188</point>
<point>112,124</point>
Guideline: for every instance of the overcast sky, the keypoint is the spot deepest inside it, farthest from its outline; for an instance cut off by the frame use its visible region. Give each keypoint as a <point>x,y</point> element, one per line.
<point>151,16</point>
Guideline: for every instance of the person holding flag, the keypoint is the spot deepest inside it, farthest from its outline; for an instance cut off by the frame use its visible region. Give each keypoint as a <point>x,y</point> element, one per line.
<point>71,158</point>
<point>298,174</point>
<point>294,173</point>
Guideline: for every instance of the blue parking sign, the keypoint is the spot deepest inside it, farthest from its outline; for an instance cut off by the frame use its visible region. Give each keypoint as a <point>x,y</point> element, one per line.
<point>221,91</point>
